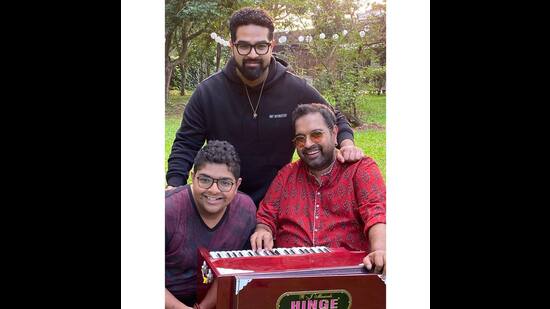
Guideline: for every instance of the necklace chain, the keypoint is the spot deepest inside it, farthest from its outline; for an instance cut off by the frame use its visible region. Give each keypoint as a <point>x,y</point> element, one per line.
<point>254,115</point>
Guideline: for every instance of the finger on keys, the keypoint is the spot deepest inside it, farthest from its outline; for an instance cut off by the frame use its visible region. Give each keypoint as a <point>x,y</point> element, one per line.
<point>269,244</point>
<point>264,243</point>
<point>258,242</point>
<point>367,262</point>
<point>253,239</point>
<point>379,263</point>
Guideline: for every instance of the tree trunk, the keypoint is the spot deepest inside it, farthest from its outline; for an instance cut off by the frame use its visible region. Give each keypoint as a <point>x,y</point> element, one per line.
<point>167,77</point>
<point>183,56</point>
<point>182,85</point>
<point>218,56</point>
<point>183,78</point>
<point>167,64</point>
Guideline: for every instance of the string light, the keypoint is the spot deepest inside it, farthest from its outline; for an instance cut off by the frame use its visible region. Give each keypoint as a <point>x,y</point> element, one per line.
<point>283,39</point>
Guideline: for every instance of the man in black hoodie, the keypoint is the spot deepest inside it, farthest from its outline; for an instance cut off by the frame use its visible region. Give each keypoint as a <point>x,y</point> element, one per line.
<point>249,104</point>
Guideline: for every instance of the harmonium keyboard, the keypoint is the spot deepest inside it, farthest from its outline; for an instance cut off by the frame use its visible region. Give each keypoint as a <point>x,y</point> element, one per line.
<point>290,278</point>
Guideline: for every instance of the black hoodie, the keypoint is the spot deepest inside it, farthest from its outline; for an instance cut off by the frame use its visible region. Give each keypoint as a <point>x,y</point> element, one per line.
<point>219,110</point>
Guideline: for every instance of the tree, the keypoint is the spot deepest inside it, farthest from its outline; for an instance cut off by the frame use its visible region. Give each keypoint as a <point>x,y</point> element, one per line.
<point>186,20</point>
<point>343,63</point>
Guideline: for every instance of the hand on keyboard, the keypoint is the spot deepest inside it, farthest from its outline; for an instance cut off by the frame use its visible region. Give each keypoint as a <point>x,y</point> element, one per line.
<point>261,239</point>
<point>376,260</point>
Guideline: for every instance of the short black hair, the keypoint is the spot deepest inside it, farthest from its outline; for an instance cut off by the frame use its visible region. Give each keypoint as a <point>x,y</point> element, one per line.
<point>250,16</point>
<point>325,110</point>
<point>220,152</point>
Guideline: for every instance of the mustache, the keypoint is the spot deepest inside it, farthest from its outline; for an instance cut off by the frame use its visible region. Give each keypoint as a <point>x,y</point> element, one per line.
<point>252,61</point>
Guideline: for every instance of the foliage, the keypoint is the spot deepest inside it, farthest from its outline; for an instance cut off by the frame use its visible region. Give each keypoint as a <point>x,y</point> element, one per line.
<point>375,77</point>
<point>343,66</point>
<point>341,69</point>
<point>188,25</point>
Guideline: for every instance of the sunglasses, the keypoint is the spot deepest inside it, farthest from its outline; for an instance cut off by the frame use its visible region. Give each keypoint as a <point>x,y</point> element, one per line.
<point>314,136</point>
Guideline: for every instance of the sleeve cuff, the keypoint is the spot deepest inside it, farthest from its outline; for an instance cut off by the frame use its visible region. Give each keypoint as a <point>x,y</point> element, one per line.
<point>373,221</point>
<point>344,136</point>
<point>176,181</point>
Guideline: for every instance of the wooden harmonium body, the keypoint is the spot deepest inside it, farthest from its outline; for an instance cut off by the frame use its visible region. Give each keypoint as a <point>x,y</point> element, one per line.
<point>291,278</point>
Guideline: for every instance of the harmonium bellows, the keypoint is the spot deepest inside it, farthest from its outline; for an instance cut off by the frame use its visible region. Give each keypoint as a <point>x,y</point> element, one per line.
<point>290,278</point>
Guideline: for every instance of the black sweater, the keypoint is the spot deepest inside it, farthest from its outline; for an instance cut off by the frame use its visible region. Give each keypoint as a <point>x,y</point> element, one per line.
<point>220,110</point>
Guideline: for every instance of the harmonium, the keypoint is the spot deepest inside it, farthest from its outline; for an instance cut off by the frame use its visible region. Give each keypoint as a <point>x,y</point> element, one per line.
<point>290,278</point>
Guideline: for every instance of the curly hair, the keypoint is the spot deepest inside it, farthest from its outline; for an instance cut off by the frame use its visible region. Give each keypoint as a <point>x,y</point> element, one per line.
<point>220,152</point>
<point>325,110</point>
<point>250,16</point>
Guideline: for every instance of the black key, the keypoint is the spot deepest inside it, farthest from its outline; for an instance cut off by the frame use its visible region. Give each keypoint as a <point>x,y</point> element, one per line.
<point>218,254</point>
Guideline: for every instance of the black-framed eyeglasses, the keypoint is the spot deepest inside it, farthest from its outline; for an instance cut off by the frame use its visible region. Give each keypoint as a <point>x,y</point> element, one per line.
<point>315,137</point>
<point>224,184</point>
<point>244,48</point>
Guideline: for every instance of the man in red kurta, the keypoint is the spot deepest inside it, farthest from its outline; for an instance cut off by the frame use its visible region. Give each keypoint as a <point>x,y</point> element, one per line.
<point>318,201</point>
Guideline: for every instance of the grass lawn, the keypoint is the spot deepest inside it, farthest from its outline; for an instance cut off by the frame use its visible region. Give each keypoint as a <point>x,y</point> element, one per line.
<point>176,102</point>
<point>372,140</point>
<point>171,125</point>
<point>372,109</point>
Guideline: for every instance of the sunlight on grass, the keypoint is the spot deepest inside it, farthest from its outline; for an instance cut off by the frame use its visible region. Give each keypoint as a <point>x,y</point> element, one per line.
<point>372,109</point>
<point>373,142</point>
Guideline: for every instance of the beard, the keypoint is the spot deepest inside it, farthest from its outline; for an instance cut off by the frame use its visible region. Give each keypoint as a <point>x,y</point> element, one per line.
<point>323,159</point>
<point>252,73</point>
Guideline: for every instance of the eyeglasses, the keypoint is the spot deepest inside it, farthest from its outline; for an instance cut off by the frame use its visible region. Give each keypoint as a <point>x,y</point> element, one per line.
<point>244,48</point>
<point>224,184</point>
<point>314,136</point>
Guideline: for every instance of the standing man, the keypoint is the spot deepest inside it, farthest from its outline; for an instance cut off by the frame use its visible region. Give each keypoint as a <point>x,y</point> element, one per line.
<point>209,213</point>
<point>318,201</point>
<point>249,104</point>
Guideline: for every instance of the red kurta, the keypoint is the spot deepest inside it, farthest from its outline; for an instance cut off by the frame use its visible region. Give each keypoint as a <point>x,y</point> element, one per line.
<point>337,213</point>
